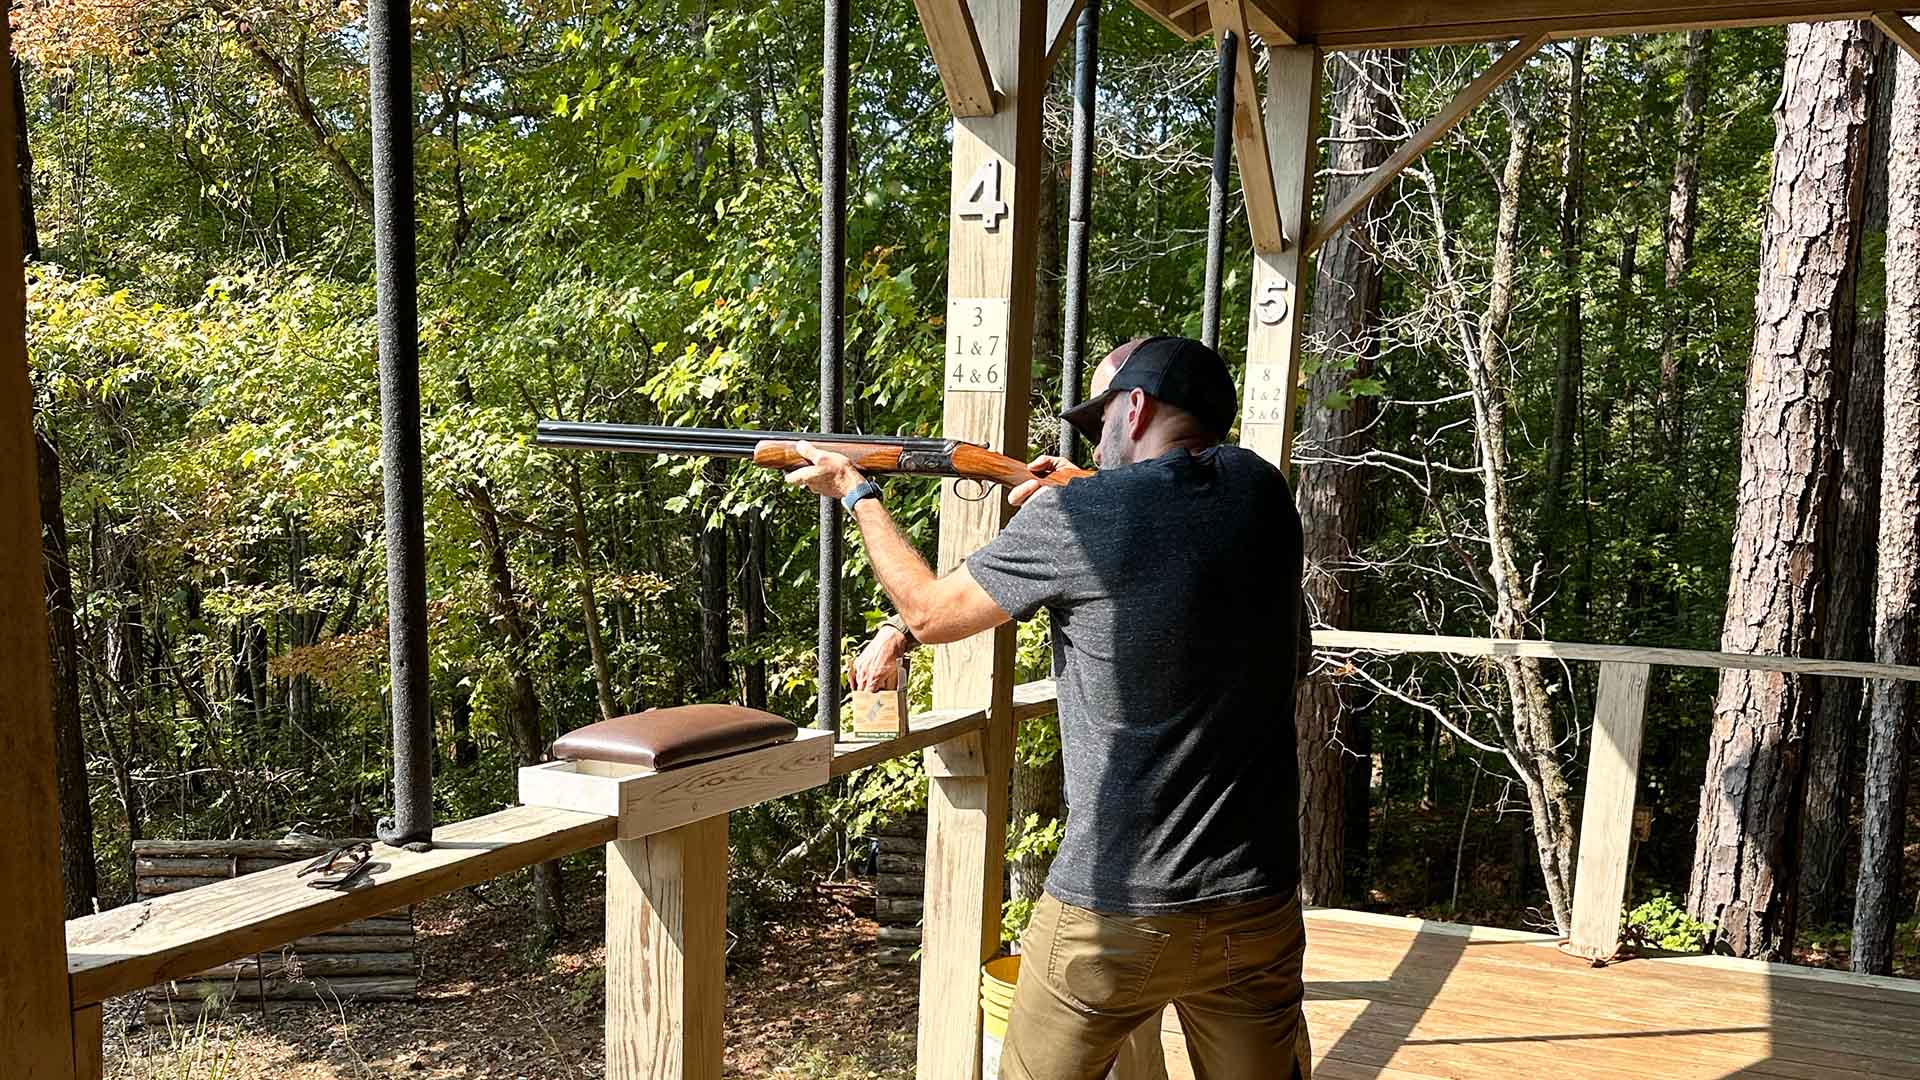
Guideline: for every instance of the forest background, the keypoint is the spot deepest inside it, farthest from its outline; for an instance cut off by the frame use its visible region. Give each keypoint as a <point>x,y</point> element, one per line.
<point>1529,413</point>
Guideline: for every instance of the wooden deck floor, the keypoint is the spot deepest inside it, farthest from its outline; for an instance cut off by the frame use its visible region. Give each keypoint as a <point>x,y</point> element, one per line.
<point>1399,999</point>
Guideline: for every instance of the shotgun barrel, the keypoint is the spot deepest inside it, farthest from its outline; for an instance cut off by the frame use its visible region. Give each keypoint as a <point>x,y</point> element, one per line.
<point>698,442</point>
<point>880,454</point>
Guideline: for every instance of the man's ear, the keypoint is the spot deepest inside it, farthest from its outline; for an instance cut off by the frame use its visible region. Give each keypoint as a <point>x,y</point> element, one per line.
<point>1139,412</point>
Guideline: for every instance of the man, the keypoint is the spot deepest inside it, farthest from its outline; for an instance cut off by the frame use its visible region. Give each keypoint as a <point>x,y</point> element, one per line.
<point>1172,577</point>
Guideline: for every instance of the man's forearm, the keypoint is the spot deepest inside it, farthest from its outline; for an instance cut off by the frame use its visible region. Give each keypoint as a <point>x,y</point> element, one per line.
<point>902,572</point>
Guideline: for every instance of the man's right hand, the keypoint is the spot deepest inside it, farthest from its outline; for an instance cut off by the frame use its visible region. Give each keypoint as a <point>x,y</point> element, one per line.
<point>878,665</point>
<point>1040,467</point>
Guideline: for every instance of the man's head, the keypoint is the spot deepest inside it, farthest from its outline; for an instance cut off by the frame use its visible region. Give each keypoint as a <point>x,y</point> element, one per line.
<point>1153,394</point>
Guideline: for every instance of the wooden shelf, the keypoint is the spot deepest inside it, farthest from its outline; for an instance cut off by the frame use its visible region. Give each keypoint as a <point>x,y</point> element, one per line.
<point>938,726</point>
<point>136,946</point>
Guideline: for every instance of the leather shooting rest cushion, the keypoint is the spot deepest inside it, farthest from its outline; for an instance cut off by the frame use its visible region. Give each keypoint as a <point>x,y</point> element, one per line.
<point>660,739</point>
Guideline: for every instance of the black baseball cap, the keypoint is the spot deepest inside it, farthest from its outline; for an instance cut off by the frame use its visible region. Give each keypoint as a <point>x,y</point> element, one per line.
<point>1179,371</point>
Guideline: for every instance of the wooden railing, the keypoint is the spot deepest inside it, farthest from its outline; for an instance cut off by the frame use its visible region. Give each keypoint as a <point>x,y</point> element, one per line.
<point>1613,756</point>
<point>666,889</point>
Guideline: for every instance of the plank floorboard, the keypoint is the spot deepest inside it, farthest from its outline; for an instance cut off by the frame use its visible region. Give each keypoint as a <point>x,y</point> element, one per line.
<point>1401,999</point>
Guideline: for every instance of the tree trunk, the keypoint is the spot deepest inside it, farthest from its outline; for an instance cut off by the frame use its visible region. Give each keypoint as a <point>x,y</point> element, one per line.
<point>1345,317</point>
<point>1831,767</point>
<point>77,868</point>
<point>589,600</point>
<point>753,599</point>
<point>715,612</point>
<point>76,807</point>
<point>522,701</point>
<point>1533,742</point>
<point>1896,618</point>
<point>465,753</point>
<point>1745,863</point>
<point>1570,370</point>
<point>1683,211</point>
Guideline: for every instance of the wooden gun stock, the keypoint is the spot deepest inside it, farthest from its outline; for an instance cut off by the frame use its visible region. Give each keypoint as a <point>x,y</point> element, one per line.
<point>963,460</point>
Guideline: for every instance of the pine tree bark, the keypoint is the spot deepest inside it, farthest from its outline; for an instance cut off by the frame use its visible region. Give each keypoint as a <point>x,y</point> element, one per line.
<point>1345,318</point>
<point>1831,766</point>
<point>1896,618</point>
<point>1746,854</point>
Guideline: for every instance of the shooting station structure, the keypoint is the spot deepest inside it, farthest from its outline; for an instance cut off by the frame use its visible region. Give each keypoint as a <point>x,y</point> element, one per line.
<point>1386,997</point>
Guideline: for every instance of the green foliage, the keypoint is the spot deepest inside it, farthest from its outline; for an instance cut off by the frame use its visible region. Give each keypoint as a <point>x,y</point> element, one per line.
<point>619,221</point>
<point>1663,921</point>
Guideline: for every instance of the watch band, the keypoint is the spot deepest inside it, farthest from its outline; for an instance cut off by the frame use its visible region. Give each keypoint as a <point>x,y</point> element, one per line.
<point>866,489</point>
<point>900,624</point>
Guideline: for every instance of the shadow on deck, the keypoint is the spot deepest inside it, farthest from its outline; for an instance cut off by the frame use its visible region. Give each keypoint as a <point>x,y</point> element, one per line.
<point>1400,999</point>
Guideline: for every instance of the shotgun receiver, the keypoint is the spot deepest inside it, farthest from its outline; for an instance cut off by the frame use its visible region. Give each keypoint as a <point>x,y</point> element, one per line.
<point>877,455</point>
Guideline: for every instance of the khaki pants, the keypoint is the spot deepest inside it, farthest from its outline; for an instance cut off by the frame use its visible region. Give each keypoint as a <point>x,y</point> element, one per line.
<point>1088,980</point>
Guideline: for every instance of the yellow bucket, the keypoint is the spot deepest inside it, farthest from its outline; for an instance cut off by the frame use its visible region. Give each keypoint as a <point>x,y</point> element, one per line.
<point>997,979</point>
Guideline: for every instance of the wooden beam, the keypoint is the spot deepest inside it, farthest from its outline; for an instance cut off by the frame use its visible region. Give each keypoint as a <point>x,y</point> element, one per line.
<point>667,953</point>
<point>89,1043</point>
<point>992,257</point>
<point>1188,21</point>
<point>37,1038</point>
<point>1250,134</point>
<point>1062,15</point>
<point>1430,133</point>
<point>1391,24</point>
<point>956,53</point>
<point>648,802</point>
<point>138,945</point>
<point>1367,641</point>
<point>941,726</point>
<point>1277,318</point>
<point>1606,811</point>
<point>1900,30</point>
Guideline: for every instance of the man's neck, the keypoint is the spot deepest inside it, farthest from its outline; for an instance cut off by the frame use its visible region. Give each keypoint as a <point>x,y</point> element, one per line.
<point>1154,446</point>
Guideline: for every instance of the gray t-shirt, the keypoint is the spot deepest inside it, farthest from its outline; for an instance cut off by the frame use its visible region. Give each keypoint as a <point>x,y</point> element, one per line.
<point>1174,590</point>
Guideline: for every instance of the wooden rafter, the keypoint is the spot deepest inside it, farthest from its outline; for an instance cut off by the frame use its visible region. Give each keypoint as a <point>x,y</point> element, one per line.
<point>1187,20</point>
<point>1900,30</point>
<point>1061,17</point>
<point>1250,133</point>
<point>1441,123</point>
<point>1381,24</point>
<point>956,52</point>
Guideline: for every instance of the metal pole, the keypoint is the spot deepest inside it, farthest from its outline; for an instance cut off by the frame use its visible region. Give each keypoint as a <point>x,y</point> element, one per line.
<point>1086,73</point>
<point>390,78</point>
<point>833,297</point>
<point>1217,189</point>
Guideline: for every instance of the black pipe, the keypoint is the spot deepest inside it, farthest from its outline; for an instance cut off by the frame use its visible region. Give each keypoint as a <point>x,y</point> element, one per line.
<point>1086,74</point>
<point>833,314</point>
<point>390,80</point>
<point>1217,188</point>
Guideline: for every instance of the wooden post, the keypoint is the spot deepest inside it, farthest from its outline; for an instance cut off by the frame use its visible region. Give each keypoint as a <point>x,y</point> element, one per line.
<point>993,222</point>
<point>89,1044</point>
<point>1606,817</point>
<point>667,953</point>
<point>1279,302</point>
<point>37,1037</point>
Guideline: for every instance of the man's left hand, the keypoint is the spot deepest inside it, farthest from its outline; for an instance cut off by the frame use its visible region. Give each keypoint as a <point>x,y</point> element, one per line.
<point>831,474</point>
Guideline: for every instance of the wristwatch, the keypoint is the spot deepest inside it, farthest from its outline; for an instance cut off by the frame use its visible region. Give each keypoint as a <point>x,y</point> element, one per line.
<point>867,489</point>
<point>900,624</point>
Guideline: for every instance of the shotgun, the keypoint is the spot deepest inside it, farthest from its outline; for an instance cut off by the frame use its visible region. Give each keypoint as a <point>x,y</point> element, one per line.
<point>877,455</point>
